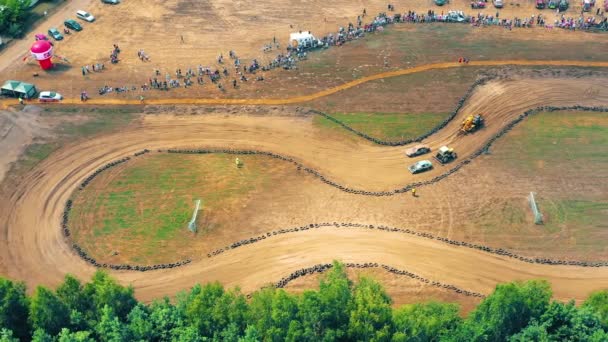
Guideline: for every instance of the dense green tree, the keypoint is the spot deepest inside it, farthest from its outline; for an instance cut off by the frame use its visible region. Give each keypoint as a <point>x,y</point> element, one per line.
<point>505,312</point>
<point>6,335</point>
<point>563,322</point>
<point>271,312</point>
<point>212,309</point>
<point>14,308</point>
<point>48,312</point>
<point>41,336</point>
<point>338,311</point>
<point>82,311</point>
<point>79,336</point>
<point>71,292</point>
<point>322,314</point>
<point>109,328</point>
<point>13,16</point>
<point>597,303</point>
<point>104,290</point>
<point>251,335</point>
<point>186,334</point>
<point>370,312</point>
<point>140,327</point>
<point>167,319</point>
<point>425,321</point>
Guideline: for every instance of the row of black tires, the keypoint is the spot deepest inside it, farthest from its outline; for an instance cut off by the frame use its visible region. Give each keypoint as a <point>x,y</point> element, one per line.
<point>320,268</point>
<point>83,254</point>
<point>343,225</point>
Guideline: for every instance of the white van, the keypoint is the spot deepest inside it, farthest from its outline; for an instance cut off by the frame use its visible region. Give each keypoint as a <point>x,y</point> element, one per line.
<point>498,3</point>
<point>86,16</point>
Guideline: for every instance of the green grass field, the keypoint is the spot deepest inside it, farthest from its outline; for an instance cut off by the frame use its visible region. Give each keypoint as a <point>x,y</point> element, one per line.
<point>570,140</point>
<point>565,154</point>
<point>146,206</point>
<point>385,126</point>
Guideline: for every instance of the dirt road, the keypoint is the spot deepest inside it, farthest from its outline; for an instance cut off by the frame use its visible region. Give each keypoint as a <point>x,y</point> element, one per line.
<point>33,249</point>
<point>330,91</point>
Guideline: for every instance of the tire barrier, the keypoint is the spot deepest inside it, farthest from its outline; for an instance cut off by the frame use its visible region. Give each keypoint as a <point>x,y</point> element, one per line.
<point>321,268</point>
<point>463,99</point>
<point>84,255</point>
<point>407,187</point>
<point>101,169</point>
<point>344,225</point>
<point>137,154</point>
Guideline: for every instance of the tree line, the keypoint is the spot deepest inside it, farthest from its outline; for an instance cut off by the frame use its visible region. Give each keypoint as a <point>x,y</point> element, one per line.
<point>340,310</point>
<point>13,15</point>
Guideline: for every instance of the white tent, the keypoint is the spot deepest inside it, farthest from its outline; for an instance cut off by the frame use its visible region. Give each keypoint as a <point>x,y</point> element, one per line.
<point>301,39</point>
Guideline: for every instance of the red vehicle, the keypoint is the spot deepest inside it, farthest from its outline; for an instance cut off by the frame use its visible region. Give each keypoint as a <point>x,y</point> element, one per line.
<point>540,4</point>
<point>478,4</point>
<point>40,36</point>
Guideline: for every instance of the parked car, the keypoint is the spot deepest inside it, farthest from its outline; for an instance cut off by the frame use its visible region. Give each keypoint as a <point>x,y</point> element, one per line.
<point>498,3</point>
<point>421,166</point>
<point>563,5</point>
<point>49,96</point>
<point>111,2</point>
<point>53,32</point>
<point>72,24</point>
<point>552,4</point>
<point>86,16</point>
<point>40,36</point>
<point>417,150</point>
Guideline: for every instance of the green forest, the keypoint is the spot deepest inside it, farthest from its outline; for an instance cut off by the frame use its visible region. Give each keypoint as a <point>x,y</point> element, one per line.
<point>13,14</point>
<point>341,310</point>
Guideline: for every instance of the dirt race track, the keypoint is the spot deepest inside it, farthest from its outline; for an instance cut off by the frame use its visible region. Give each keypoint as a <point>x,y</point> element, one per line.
<point>33,249</point>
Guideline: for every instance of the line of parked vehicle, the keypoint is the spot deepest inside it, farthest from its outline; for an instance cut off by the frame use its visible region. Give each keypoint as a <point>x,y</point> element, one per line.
<point>562,5</point>
<point>71,24</point>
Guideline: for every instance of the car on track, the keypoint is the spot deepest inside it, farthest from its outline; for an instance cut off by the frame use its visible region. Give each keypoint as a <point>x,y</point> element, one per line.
<point>86,16</point>
<point>440,2</point>
<point>111,2</point>
<point>49,96</point>
<point>421,166</point>
<point>498,3</point>
<point>540,4</point>
<point>72,24</point>
<point>417,150</point>
<point>54,32</point>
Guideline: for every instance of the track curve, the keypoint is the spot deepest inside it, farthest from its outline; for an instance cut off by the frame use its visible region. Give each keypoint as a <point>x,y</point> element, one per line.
<point>33,248</point>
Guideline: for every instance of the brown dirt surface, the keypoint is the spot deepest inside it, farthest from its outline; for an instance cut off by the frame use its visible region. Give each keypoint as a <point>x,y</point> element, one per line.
<point>215,27</point>
<point>33,248</point>
<point>401,289</point>
<point>18,130</point>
